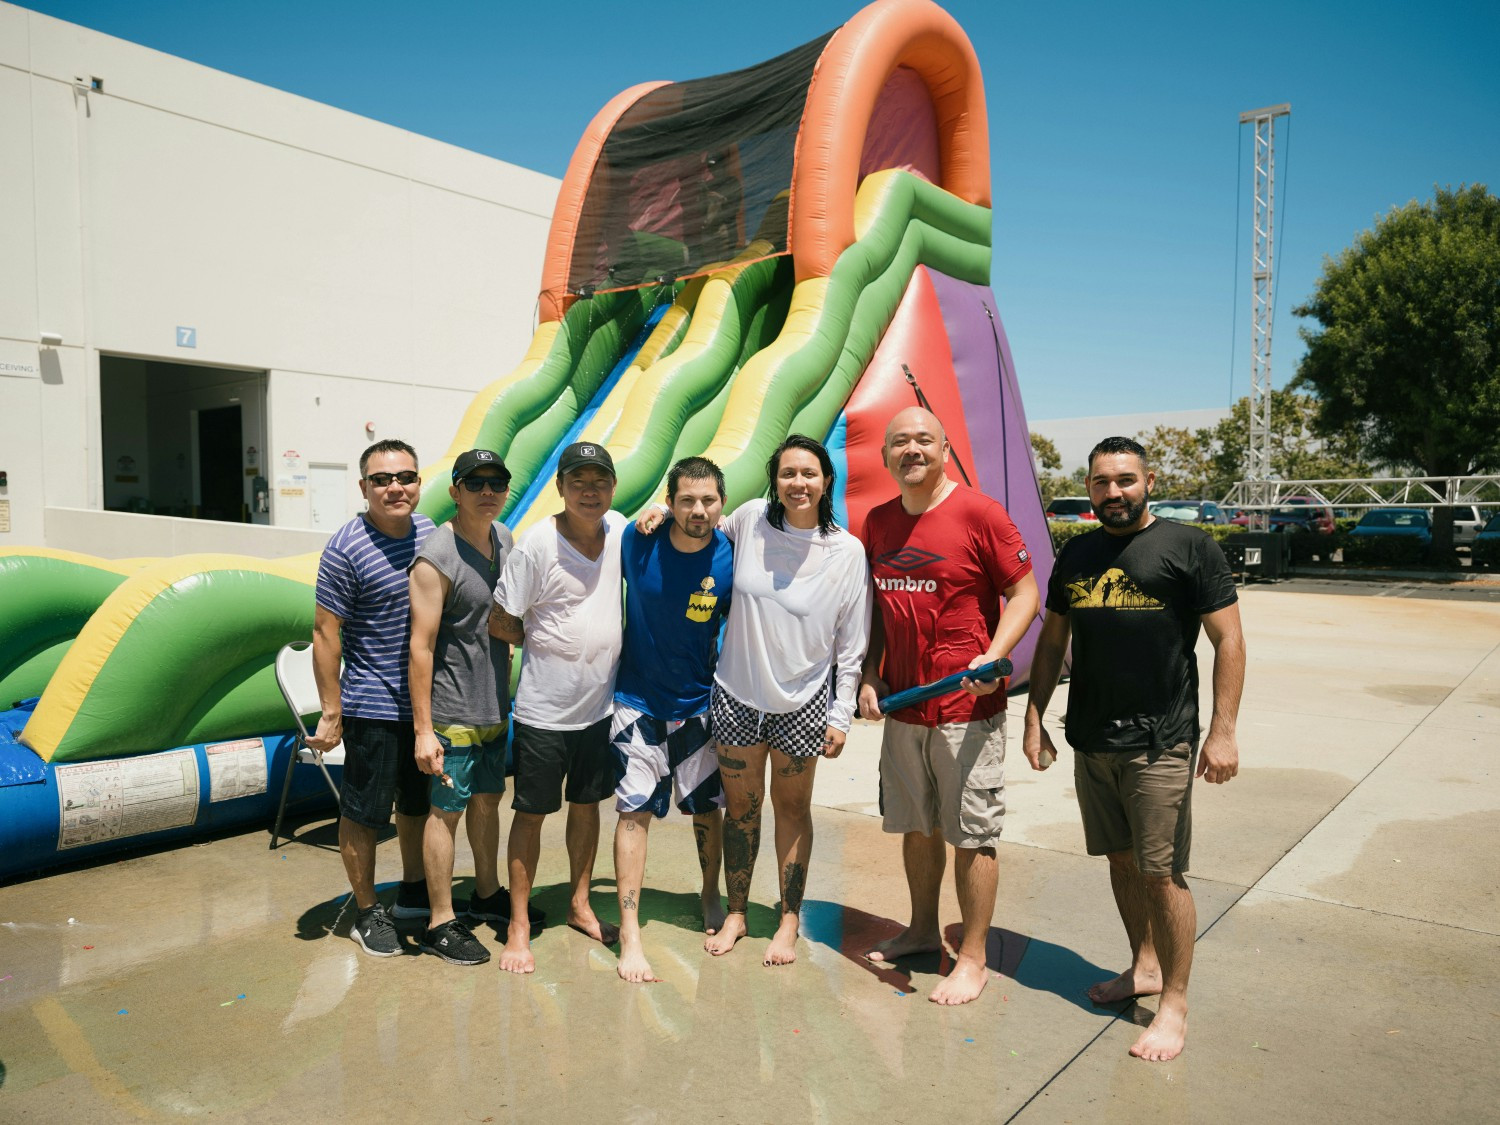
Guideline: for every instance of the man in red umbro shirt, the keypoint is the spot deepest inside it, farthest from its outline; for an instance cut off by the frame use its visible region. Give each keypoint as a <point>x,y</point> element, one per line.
<point>942,558</point>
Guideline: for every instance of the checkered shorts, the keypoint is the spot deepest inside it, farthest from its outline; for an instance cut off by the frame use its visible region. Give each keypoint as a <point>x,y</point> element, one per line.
<point>797,734</point>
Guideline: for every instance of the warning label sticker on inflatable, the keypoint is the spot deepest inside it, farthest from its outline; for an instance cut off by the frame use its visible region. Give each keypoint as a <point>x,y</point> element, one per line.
<point>236,769</point>
<point>126,797</point>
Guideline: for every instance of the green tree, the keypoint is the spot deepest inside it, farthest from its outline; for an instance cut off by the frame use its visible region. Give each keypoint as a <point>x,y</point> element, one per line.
<point>1304,445</point>
<point>1045,453</point>
<point>1052,482</point>
<point>1408,343</point>
<point>1181,460</point>
<point>1205,463</point>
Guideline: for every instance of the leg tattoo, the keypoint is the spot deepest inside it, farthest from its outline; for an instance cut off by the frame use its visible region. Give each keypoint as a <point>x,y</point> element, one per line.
<point>741,843</point>
<point>700,833</point>
<point>793,880</point>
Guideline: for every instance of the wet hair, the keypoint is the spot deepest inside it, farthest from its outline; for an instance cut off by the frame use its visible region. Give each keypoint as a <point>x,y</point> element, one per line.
<point>694,468</point>
<point>386,445</point>
<point>1119,445</point>
<point>775,509</point>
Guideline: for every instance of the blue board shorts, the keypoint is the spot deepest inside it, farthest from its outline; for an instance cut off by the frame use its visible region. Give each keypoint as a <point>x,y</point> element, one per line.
<point>473,759</point>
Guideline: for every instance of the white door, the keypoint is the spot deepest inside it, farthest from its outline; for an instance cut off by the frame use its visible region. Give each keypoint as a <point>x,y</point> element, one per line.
<point>329,498</point>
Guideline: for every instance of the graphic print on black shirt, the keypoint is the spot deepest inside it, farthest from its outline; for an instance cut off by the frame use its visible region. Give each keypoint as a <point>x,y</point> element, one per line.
<point>1134,603</point>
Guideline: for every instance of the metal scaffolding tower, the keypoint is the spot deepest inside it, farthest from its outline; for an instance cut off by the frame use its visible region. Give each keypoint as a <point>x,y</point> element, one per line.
<point>1262,251</point>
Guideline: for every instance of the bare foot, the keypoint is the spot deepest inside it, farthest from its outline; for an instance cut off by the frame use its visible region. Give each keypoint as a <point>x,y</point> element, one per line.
<point>905,944</point>
<point>964,983</point>
<point>1163,1040</point>
<point>783,947</point>
<point>516,956</point>
<point>730,931</point>
<point>1127,986</point>
<point>587,923</point>
<point>713,913</point>
<point>633,965</point>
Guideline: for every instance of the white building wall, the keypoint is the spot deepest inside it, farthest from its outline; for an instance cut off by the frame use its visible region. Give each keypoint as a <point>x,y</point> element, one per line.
<point>378,276</point>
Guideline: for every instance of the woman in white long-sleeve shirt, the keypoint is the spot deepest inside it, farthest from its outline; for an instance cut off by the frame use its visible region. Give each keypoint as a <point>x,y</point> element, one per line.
<point>787,675</point>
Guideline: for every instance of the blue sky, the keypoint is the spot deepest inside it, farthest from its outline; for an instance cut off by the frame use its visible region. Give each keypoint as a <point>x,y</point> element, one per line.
<point>1117,155</point>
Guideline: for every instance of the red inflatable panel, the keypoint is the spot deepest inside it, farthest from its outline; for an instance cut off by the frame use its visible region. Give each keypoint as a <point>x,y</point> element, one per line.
<point>917,338</point>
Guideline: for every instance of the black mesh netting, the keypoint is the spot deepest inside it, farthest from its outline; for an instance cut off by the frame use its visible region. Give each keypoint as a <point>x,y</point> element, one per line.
<point>691,174</point>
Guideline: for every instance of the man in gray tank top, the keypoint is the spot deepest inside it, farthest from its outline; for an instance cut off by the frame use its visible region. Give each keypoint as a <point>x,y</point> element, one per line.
<point>460,693</point>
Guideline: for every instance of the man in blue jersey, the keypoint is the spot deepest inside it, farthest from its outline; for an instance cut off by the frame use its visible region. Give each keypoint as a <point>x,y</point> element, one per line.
<point>677,593</point>
<point>363,618</point>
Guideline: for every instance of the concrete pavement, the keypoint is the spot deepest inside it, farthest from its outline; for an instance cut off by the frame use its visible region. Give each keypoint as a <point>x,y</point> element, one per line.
<point>1348,964</point>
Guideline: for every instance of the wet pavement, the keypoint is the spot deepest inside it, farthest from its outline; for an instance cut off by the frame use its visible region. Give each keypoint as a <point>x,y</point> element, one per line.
<point>1347,967</point>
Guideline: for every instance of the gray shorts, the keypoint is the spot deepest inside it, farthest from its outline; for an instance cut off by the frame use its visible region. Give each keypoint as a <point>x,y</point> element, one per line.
<point>1138,801</point>
<point>950,776</point>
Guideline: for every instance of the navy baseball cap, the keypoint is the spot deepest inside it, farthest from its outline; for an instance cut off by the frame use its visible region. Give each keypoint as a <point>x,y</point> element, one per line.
<point>473,459</point>
<point>582,453</point>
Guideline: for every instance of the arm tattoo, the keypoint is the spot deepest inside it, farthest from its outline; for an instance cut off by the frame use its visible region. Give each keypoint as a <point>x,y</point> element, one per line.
<point>507,626</point>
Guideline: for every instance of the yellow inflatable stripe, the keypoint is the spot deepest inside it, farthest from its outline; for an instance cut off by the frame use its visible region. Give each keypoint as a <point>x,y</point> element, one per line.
<point>82,662</point>
<point>748,395</point>
<point>870,198</point>
<point>114,566</point>
<point>668,329</point>
<point>467,434</point>
<point>620,422</point>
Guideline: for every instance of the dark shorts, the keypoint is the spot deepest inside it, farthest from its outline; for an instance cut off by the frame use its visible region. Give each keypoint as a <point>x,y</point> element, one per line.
<point>1138,801</point>
<point>380,769</point>
<point>545,759</point>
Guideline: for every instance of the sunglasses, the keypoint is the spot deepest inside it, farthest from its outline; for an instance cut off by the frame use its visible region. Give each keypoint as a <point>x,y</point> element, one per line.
<point>385,480</point>
<point>479,484</point>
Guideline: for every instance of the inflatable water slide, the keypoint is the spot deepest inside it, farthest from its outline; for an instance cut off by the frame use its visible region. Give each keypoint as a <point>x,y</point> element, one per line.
<point>802,246</point>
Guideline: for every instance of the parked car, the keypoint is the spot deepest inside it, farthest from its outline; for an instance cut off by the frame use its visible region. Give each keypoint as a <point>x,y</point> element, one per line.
<point>1070,509</point>
<point>1387,523</point>
<point>1486,545</point>
<point>1297,513</point>
<point>1467,520</point>
<point>1189,511</point>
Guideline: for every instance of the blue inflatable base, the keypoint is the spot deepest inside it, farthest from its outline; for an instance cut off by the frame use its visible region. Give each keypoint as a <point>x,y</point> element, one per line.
<point>57,813</point>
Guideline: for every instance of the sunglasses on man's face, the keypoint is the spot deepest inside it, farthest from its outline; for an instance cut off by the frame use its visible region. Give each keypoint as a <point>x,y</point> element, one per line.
<point>384,480</point>
<point>479,484</point>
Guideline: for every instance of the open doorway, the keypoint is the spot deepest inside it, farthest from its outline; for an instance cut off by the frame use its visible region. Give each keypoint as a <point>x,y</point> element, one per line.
<point>221,488</point>
<point>182,440</point>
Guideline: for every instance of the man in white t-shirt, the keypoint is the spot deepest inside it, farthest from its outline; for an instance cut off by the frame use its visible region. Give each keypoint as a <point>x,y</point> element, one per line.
<point>559,597</point>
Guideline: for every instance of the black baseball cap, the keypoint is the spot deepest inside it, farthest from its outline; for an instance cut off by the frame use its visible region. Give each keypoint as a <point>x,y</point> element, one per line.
<point>582,453</point>
<point>473,459</point>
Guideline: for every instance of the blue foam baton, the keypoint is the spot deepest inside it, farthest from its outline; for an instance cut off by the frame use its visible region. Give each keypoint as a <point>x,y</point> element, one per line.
<point>994,670</point>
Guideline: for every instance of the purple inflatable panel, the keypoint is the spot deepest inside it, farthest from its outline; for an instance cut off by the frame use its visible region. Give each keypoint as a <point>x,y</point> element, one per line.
<point>992,406</point>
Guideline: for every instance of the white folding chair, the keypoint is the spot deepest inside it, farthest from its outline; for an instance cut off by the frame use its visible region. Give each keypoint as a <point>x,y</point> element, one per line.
<point>294,675</point>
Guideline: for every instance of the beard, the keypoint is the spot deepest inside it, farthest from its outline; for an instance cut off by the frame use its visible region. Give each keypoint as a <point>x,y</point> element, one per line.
<point>1121,517</point>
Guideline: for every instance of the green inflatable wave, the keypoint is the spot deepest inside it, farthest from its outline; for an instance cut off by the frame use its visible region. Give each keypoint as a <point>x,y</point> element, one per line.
<point>44,601</point>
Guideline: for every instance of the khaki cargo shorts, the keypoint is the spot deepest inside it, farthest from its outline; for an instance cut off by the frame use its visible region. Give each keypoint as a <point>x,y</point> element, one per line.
<point>950,776</point>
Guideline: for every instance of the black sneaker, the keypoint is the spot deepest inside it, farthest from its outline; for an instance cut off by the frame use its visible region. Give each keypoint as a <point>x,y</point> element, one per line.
<point>496,908</point>
<point>375,933</point>
<point>455,944</point>
<point>411,900</point>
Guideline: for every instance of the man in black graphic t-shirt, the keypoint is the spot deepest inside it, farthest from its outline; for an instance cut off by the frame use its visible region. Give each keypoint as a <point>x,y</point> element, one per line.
<point>1132,596</point>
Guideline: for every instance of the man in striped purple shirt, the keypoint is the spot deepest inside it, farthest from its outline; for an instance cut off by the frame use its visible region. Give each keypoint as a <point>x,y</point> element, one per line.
<point>363,618</point>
